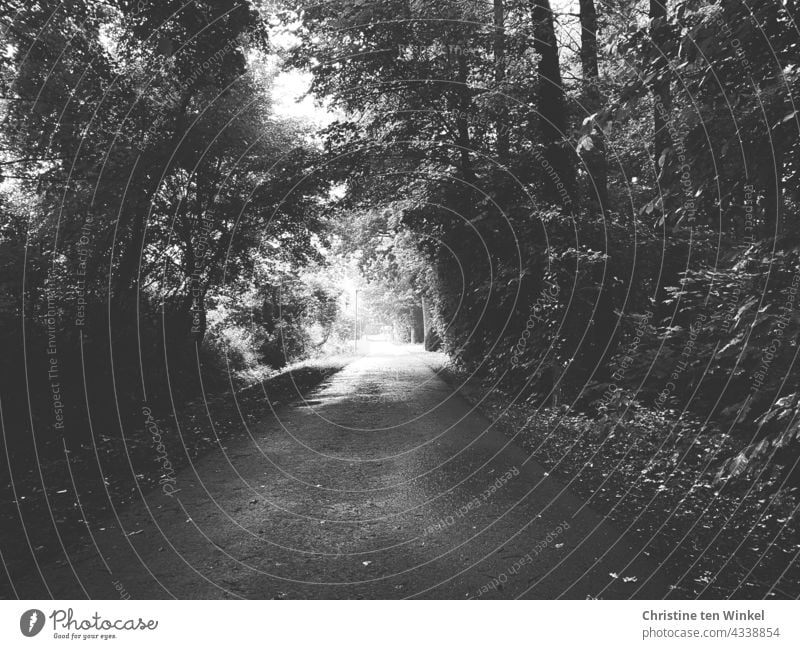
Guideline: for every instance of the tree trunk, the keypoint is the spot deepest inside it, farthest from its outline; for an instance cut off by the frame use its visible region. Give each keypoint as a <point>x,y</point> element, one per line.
<point>595,159</point>
<point>124,276</point>
<point>430,339</point>
<point>418,325</point>
<point>499,78</point>
<point>603,323</point>
<point>558,172</point>
<point>662,95</point>
<point>424,323</point>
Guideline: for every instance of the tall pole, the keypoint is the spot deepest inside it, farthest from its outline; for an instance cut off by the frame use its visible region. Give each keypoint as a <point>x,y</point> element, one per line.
<point>355,327</point>
<point>424,324</point>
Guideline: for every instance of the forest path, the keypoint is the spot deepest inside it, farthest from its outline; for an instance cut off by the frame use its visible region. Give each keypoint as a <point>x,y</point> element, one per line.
<point>382,483</point>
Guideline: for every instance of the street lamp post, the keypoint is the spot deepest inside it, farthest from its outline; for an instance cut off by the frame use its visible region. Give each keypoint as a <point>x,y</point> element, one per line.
<point>355,327</point>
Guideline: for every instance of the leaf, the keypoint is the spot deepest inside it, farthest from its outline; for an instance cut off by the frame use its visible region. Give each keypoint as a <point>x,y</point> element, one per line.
<point>590,119</point>
<point>586,143</point>
<point>737,465</point>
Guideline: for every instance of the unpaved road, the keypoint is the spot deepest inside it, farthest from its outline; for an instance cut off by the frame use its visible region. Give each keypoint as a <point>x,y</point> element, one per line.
<point>383,484</point>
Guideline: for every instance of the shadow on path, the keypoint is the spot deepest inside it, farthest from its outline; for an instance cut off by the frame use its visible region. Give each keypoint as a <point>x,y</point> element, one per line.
<point>382,483</point>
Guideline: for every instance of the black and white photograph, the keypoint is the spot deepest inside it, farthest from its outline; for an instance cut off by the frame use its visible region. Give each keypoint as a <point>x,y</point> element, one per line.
<point>441,300</point>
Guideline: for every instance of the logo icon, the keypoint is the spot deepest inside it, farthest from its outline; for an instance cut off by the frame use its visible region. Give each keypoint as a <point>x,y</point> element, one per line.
<point>31,622</point>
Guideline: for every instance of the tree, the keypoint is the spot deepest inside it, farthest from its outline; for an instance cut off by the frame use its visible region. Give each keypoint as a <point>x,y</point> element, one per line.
<point>144,171</point>
<point>499,78</point>
<point>551,129</point>
<point>594,151</point>
<point>662,95</point>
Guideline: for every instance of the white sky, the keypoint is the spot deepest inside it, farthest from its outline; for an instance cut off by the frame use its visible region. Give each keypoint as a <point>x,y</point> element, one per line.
<point>289,100</point>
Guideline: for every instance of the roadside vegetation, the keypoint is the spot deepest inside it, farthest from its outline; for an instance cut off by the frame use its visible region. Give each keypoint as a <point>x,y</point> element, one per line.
<point>595,206</point>
<point>592,211</point>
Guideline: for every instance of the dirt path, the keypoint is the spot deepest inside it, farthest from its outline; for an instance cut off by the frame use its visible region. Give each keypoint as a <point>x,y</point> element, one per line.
<point>383,484</point>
